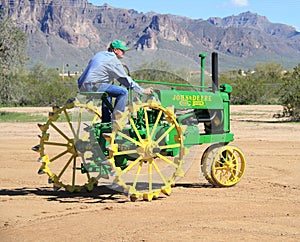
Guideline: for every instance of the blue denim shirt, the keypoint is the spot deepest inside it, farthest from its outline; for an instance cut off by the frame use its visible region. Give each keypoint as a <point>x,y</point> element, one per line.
<point>104,67</point>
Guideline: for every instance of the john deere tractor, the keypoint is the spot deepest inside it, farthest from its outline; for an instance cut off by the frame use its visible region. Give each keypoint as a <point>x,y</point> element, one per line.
<point>143,153</point>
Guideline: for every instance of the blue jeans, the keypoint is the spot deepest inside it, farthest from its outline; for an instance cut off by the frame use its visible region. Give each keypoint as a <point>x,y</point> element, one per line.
<point>118,92</point>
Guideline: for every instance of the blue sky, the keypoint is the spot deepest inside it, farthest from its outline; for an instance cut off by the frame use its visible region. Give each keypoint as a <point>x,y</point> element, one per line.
<point>277,11</point>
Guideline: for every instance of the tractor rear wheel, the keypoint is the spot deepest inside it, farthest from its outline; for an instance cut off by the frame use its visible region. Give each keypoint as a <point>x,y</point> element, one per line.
<point>154,150</point>
<point>63,146</point>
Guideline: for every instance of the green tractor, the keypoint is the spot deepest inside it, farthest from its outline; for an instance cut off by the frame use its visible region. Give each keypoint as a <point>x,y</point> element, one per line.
<point>144,152</point>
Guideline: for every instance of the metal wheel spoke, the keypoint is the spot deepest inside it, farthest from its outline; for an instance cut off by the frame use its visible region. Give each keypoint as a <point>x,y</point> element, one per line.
<point>125,136</point>
<point>69,122</point>
<point>223,175</point>
<point>166,133</point>
<point>155,124</point>
<point>65,167</point>
<point>159,173</point>
<point>150,171</point>
<point>136,178</point>
<point>132,164</point>
<point>55,144</point>
<point>167,160</point>
<point>170,146</point>
<point>125,152</point>
<point>74,171</point>
<point>58,156</point>
<point>59,131</point>
<point>79,122</point>
<point>147,123</point>
<point>135,129</point>
<point>234,170</point>
<point>235,179</point>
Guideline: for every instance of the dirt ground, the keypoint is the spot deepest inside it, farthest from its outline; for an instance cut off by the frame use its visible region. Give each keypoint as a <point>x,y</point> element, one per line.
<point>264,206</point>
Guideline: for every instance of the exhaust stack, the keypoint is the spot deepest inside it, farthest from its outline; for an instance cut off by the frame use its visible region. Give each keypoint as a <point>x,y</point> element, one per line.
<point>214,68</point>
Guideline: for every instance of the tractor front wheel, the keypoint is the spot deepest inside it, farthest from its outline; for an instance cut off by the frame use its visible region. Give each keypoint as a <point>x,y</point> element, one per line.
<point>223,166</point>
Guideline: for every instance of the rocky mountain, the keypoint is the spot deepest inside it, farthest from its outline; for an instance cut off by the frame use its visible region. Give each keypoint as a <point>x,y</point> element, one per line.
<point>69,32</point>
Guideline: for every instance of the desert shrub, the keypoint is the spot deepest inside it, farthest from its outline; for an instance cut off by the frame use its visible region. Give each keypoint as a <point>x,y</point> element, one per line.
<point>45,87</point>
<point>258,86</point>
<point>289,94</point>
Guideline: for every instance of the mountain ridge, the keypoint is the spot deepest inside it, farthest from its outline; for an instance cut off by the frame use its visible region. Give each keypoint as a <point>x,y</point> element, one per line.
<point>72,32</point>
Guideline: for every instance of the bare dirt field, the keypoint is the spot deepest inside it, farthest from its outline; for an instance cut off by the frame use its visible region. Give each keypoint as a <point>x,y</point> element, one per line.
<point>264,206</point>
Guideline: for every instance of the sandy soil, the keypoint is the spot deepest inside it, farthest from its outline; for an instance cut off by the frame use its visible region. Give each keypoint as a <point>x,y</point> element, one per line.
<point>264,206</point>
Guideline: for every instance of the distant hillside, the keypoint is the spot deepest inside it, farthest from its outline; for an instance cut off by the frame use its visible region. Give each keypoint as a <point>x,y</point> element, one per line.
<point>69,33</point>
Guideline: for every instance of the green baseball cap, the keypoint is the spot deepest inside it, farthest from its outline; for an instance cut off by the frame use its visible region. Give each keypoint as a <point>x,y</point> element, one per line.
<point>119,44</point>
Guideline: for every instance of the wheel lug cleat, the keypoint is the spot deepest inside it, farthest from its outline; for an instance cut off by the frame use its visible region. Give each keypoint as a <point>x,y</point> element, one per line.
<point>36,148</point>
<point>56,188</point>
<point>41,172</point>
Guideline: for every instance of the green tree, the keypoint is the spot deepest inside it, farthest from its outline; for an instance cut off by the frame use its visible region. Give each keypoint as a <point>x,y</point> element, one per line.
<point>12,57</point>
<point>45,87</point>
<point>289,94</point>
<point>268,77</point>
<point>255,87</point>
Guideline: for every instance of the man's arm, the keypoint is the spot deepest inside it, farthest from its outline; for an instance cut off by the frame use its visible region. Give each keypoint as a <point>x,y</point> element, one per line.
<point>118,72</point>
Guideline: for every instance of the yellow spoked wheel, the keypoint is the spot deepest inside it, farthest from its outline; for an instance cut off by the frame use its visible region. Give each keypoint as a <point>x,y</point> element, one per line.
<point>227,165</point>
<point>152,148</point>
<point>66,146</point>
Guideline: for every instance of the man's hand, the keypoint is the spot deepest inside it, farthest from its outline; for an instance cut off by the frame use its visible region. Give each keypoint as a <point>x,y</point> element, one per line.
<point>148,90</point>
